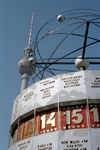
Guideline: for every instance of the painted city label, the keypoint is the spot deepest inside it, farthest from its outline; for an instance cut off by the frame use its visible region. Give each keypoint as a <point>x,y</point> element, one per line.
<point>27,103</point>
<point>15,112</point>
<point>75,144</point>
<point>71,81</point>
<point>28,96</point>
<point>72,87</point>
<point>47,146</point>
<point>47,92</point>
<point>24,145</point>
<point>96,83</point>
<point>46,87</point>
<point>93,84</point>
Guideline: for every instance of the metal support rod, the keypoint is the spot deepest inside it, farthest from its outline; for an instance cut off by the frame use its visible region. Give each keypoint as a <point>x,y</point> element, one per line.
<point>85,40</point>
<point>82,68</point>
<point>10,131</point>
<point>63,63</point>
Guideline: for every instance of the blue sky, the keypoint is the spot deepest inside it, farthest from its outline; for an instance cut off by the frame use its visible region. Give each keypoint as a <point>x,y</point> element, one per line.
<point>15,21</point>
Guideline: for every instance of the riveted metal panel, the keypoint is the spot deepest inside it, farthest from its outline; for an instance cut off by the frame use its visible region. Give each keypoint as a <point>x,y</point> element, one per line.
<point>95,139</point>
<point>16,107</point>
<point>93,84</point>
<point>47,92</point>
<point>27,100</point>
<point>72,87</point>
<point>75,140</point>
<point>46,141</point>
<point>24,144</point>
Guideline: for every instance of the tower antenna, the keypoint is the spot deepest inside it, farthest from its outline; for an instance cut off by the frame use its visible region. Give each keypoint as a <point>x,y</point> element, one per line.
<point>30,35</point>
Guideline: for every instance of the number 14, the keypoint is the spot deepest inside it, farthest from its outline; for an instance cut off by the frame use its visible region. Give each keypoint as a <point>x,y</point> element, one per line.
<point>51,120</point>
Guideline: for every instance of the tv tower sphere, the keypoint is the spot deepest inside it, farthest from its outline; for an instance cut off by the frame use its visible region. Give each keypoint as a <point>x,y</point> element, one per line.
<point>24,65</point>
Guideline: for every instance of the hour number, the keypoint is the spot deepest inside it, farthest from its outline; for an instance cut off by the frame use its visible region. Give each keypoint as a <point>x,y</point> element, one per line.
<point>75,113</point>
<point>51,120</point>
<point>26,125</point>
<point>96,114</point>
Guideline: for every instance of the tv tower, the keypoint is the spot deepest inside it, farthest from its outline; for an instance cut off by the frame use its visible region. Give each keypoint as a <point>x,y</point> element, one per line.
<point>24,66</point>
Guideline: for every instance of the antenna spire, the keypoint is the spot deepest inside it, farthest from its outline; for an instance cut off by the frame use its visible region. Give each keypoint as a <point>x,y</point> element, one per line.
<point>30,35</point>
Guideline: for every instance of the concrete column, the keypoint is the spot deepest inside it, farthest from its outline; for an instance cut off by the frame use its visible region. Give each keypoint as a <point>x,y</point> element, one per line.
<point>25,79</point>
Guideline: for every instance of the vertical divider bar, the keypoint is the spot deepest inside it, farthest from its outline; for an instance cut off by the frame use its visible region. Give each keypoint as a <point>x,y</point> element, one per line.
<point>89,124</point>
<point>9,137</point>
<point>58,115</point>
<point>34,118</point>
<point>16,136</point>
<point>17,130</point>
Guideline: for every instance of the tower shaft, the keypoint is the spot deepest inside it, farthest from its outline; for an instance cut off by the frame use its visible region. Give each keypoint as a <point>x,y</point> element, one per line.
<point>25,79</point>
